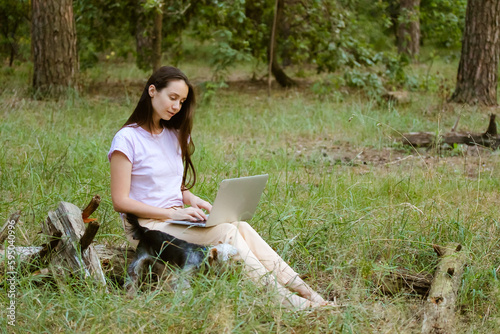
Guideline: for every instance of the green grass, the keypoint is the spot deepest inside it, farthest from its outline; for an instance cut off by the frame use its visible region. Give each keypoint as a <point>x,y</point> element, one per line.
<point>345,201</point>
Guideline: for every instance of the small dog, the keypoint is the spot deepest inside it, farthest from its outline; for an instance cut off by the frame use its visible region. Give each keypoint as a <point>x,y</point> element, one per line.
<point>158,248</point>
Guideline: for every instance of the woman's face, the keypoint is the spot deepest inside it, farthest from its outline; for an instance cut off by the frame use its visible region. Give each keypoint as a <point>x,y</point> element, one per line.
<point>168,101</point>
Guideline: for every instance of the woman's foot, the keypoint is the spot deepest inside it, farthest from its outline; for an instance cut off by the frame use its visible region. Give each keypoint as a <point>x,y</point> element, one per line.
<point>309,305</point>
<point>305,291</point>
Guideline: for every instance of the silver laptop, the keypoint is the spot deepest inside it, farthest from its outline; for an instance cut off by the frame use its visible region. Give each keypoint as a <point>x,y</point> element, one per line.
<point>236,200</point>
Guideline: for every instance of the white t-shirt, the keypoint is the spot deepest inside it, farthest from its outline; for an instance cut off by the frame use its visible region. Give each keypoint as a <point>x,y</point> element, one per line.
<point>156,165</point>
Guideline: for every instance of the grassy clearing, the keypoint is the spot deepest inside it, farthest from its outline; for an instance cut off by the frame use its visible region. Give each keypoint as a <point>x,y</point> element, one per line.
<point>344,202</point>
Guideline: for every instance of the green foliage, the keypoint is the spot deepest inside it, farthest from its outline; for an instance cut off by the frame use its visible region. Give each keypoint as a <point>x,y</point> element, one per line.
<point>230,26</point>
<point>370,82</point>
<point>329,86</point>
<point>351,39</point>
<point>442,22</point>
<point>209,90</point>
<point>103,26</point>
<point>322,33</point>
<point>14,29</point>
<point>224,55</point>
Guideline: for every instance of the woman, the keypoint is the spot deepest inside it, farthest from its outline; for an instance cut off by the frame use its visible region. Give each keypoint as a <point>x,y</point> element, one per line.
<point>152,172</point>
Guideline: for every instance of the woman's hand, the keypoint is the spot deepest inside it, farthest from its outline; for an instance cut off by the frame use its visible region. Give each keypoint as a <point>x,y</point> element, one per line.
<point>191,214</point>
<point>195,202</point>
<point>201,204</point>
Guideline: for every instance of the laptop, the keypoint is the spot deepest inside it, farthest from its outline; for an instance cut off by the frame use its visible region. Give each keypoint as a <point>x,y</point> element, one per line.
<point>236,200</point>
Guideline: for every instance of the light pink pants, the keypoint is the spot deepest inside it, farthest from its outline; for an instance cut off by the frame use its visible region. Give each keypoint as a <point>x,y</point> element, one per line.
<point>262,263</point>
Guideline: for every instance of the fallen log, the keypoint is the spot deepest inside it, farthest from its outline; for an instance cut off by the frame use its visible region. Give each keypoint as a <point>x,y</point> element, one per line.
<point>397,96</point>
<point>402,280</point>
<point>490,138</point>
<point>439,310</point>
<point>42,257</point>
<point>114,260</point>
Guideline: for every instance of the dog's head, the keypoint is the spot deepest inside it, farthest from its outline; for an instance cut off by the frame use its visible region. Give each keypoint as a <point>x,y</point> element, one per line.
<point>221,253</point>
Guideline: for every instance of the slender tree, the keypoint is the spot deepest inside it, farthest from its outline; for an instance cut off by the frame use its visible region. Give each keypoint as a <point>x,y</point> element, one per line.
<point>157,37</point>
<point>53,40</point>
<point>144,36</point>
<point>281,77</point>
<point>148,36</point>
<point>477,70</point>
<point>408,28</point>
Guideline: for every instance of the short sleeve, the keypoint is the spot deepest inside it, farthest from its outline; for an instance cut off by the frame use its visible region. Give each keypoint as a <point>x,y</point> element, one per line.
<point>122,142</point>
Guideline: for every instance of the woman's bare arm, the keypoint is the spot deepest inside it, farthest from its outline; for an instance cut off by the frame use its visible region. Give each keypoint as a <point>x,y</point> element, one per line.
<point>121,174</point>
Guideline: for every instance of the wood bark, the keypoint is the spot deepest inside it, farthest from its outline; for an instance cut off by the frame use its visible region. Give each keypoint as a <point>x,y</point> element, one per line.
<point>88,236</point>
<point>439,311</point>
<point>157,37</point>
<point>271,48</point>
<point>490,138</point>
<point>90,208</point>
<point>399,280</point>
<point>408,28</point>
<point>68,255</point>
<point>43,255</point>
<point>477,70</point>
<point>53,40</point>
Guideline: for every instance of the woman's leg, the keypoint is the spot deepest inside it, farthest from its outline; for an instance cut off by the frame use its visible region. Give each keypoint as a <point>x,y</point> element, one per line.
<point>228,233</point>
<point>274,263</point>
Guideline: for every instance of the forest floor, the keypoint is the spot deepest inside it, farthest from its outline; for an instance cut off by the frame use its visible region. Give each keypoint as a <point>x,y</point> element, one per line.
<point>345,202</point>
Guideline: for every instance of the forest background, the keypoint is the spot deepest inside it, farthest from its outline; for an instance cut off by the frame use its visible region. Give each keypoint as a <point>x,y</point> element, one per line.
<point>302,90</point>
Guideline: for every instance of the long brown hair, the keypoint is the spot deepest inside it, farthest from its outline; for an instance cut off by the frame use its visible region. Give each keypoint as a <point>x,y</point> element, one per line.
<point>182,121</point>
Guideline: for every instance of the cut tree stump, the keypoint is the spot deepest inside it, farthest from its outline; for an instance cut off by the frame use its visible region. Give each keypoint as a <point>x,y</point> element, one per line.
<point>439,310</point>
<point>490,138</point>
<point>69,255</point>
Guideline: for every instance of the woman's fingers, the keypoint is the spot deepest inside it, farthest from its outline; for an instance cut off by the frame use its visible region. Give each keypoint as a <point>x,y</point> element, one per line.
<point>198,214</point>
<point>190,213</point>
<point>205,205</point>
<point>201,204</point>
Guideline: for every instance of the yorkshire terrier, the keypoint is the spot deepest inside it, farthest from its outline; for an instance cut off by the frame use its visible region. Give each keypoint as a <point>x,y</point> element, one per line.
<point>158,249</point>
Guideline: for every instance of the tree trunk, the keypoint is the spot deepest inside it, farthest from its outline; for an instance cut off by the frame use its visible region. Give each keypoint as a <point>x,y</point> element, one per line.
<point>158,18</point>
<point>408,30</point>
<point>477,70</point>
<point>144,37</point>
<point>53,39</point>
<point>271,48</point>
<point>13,44</point>
<point>280,75</point>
